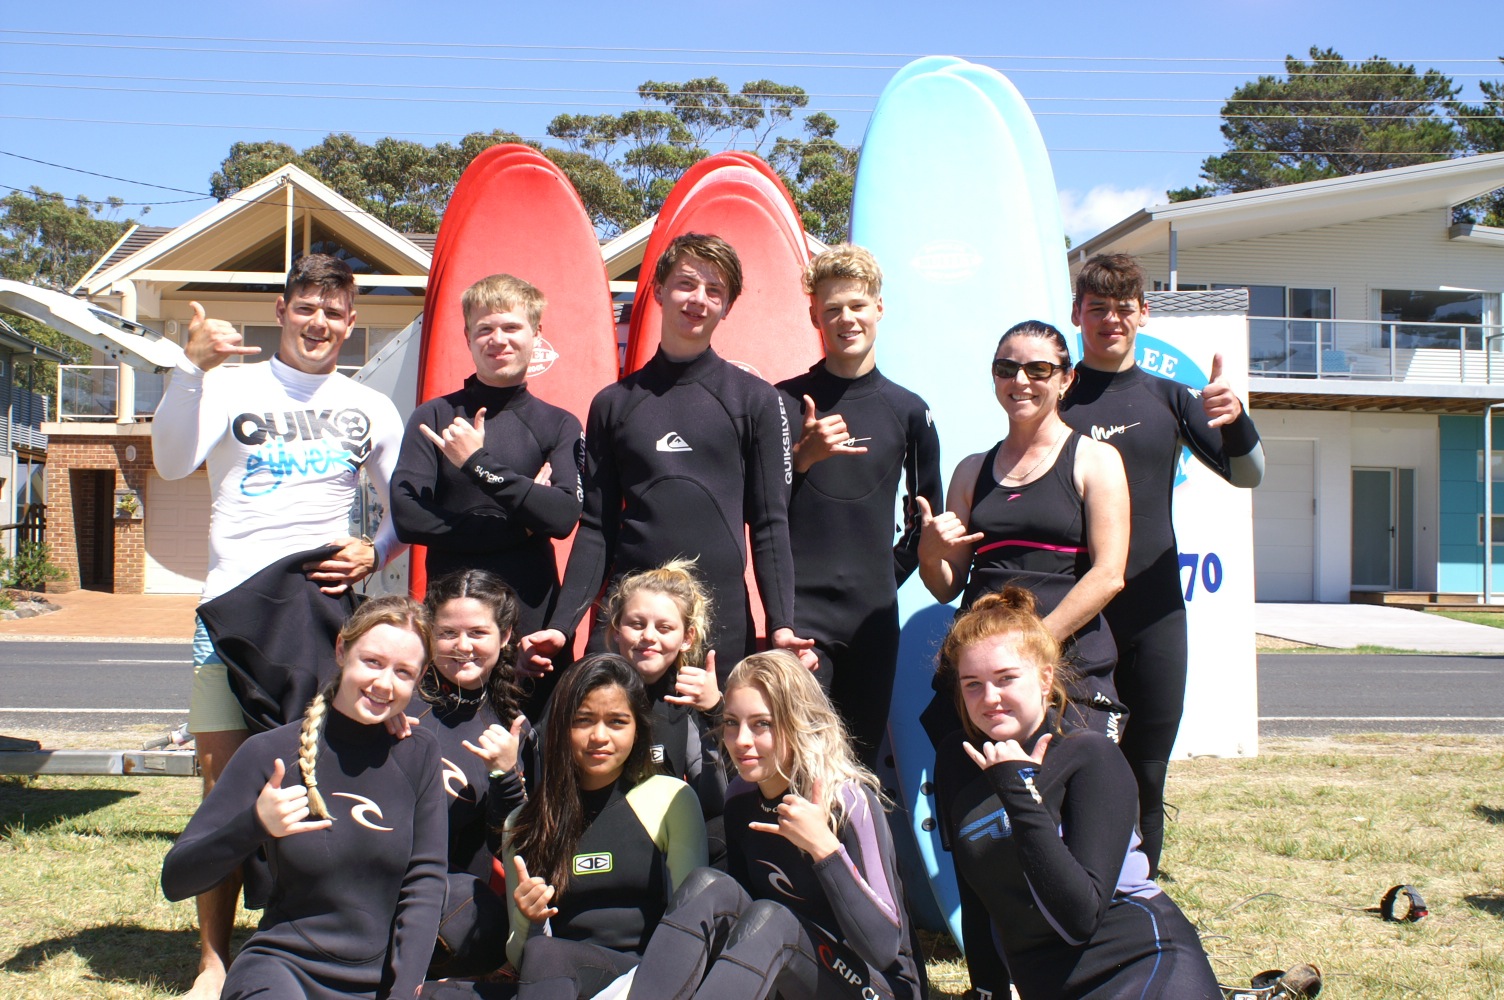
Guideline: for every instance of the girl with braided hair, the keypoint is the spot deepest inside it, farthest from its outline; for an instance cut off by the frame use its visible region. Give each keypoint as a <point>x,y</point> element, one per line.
<point>1040,817</point>
<point>355,839</point>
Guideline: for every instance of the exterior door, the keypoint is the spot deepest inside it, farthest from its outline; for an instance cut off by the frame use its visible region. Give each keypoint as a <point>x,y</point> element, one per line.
<point>1383,529</point>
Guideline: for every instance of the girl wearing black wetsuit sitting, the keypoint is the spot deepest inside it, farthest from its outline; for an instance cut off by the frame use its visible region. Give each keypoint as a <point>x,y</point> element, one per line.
<point>594,856</point>
<point>1045,509</point>
<point>658,619</point>
<point>355,839</point>
<point>1040,818</point>
<point>812,907</point>
<point>473,706</point>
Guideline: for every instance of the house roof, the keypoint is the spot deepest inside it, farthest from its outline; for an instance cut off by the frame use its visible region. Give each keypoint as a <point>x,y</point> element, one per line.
<point>17,343</point>
<point>194,245</point>
<point>1294,207</point>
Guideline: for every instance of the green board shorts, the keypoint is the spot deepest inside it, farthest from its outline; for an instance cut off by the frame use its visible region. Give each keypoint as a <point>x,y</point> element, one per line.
<point>212,707</point>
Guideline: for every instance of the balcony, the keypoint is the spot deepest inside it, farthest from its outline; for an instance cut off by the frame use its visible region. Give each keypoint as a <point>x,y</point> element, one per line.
<point>1375,350</point>
<point>92,393</point>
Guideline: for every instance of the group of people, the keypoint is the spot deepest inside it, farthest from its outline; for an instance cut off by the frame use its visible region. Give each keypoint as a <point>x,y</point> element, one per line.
<point>678,813</point>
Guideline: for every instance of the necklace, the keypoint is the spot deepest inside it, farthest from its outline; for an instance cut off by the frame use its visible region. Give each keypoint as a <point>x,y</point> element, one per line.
<point>1048,452</point>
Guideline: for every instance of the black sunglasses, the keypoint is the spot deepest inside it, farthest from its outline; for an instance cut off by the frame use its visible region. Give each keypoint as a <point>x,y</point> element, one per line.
<point>1037,371</point>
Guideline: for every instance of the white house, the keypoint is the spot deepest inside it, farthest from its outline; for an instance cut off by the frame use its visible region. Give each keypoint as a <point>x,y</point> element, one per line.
<point>1375,349</point>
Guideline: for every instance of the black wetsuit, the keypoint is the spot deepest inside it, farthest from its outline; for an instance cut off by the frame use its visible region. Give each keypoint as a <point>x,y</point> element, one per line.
<point>681,457</point>
<point>472,930</point>
<point>354,908</point>
<point>780,923</point>
<point>841,524</point>
<point>1036,537</point>
<point>638,846</point>
<point>1147,418</point>
<point>687,745</point>
<point>1053,882</point>
<point>490,514</point>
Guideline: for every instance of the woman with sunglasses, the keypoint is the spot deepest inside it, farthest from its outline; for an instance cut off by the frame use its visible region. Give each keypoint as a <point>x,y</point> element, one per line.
<point>1045,509</point>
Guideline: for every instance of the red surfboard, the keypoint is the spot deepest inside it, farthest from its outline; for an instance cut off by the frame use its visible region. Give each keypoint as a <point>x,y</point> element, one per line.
<point>739,198</point>
<point>514,212</point>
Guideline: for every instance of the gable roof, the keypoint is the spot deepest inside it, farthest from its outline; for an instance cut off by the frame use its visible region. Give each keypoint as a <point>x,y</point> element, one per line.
<point>1294,207</point>
<point>140,249</point>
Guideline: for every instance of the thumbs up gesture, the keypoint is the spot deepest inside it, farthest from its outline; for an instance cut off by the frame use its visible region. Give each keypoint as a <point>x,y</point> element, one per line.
<point>284,811</point>
<point>213,341</point>
<point>1221,404</point>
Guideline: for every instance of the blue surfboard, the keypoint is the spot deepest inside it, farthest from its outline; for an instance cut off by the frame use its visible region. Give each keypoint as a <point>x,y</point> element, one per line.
<point>956,197</point>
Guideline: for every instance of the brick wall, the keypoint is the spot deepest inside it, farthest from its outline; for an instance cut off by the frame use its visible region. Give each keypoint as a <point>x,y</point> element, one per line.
<point>71,508</point>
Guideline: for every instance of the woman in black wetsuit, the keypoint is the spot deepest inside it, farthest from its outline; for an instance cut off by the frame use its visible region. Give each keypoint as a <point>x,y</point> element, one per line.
<point>601,844</point>
<point>474,708</point>
<point>812,907</point>
<point>1040,819</point>
<point>1045,509</point>
<point>355,836</point>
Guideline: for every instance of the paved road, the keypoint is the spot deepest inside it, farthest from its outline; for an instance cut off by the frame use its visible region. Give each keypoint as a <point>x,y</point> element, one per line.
<point>92,685</point>
<point>1300,694</point>
<point>1319,694</point>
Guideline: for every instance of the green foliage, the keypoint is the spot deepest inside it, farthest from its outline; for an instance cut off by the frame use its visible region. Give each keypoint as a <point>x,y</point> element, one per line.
<point>48,240</point>
<point>820,173</point>
<point>30,568</point>
<point>1329,118</point>
<point>404,184</point>
<point>1482,128</point>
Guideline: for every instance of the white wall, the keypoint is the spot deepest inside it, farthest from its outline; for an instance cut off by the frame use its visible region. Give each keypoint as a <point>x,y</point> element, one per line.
<point>1395,251</point>
<point>1332,434</point>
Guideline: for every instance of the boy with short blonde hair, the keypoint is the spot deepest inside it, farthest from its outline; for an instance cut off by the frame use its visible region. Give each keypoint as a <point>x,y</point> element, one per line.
<point>860,433</point>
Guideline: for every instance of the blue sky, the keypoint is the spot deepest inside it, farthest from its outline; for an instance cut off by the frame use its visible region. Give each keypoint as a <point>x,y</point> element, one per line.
<point>1127,102</point>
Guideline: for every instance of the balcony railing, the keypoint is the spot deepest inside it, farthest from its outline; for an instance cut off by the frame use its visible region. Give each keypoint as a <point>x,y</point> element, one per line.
<point>1377,350</point>
<point>92,392</point>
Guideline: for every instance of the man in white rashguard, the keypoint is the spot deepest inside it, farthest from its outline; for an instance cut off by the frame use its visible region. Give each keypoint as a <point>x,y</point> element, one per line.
<point>285,441</point>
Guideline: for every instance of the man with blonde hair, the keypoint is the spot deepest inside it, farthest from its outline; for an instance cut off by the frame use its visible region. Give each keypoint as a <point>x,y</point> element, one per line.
<point>488,474</point>
<point>681,458</point>
<point>860,433</point>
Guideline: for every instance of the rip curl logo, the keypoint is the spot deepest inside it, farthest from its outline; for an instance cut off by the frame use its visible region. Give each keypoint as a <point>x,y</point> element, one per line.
<point>455,782</point>
<point>544,357</point>
<point>591,864</point>
<point>779,880</point>
<point>363,806</point>
<point>673,442</point>
<point>300,444</point>
<point>994,826</point>
<point>846,970</point>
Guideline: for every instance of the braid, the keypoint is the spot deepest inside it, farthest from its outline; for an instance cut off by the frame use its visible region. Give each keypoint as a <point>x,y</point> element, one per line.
<point>308,753</point>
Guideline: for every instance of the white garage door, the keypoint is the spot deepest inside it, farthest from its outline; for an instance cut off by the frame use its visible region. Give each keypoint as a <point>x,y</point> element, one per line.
<point>1284,523</point>
<point>177,534</point>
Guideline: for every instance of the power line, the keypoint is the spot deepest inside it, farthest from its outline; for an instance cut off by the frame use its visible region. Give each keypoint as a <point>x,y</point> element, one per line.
<point>106,202</point>
<point>337,54</point>
<point>633,91</point>
<point>738,52</point>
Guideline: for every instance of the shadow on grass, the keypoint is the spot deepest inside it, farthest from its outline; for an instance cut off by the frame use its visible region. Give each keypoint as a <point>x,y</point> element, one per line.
<point>122,954</point>
<point>39,808</point>
<point>1489,814</point>
<point>1492,903</point>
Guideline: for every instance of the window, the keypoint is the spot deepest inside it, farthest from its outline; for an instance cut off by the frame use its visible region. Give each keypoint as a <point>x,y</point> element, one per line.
<point>1498,530</point>
<point>363,342</point>
<point>1404,312</point>
<point>1276,343</point>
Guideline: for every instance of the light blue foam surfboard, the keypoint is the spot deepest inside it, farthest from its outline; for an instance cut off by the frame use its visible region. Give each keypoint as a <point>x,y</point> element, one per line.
<point>956,197</point>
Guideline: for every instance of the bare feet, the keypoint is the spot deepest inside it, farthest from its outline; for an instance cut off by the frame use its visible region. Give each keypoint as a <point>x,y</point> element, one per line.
<point>207,985</point>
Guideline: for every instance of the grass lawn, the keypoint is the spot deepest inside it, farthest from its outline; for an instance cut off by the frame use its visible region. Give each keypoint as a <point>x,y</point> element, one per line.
<point>1490,618</point>
<point>1279,860</point>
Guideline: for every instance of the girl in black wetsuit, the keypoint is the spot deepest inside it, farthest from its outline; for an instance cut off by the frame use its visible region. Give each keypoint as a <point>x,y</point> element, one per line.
<point>1045,509</point>
<point>603,842</point>
<point>473,707</point>
<point>1040,819</point>
<point>658,619</point>
<point>812,907</point>
<point>355,838</point>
